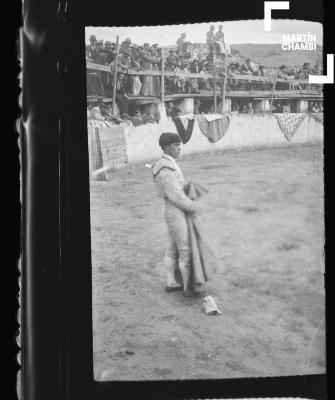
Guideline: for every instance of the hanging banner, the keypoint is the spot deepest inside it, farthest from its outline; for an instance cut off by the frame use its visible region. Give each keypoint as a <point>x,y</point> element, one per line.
<point>318,116</point>
<point>289,123</point>
<point>213,128</point>
<point>185,134</point>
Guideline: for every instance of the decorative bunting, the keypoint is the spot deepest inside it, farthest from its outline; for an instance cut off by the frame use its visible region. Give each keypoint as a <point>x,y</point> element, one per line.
<point>289,123</point>
<point>185,134</point>
<point>213,130</point>
<point>318,116</point>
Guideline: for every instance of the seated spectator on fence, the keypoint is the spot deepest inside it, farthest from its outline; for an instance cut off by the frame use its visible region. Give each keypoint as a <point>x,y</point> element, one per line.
<point>232,70</point>
<point>261,70</point>
<point>204,83</point>
<point>219,41</point>
<point>210,38</point>
<point>244,69</point>
<point>282,72</point>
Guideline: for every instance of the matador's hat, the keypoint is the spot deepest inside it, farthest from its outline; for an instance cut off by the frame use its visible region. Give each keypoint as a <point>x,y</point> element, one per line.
<point>168,138</point>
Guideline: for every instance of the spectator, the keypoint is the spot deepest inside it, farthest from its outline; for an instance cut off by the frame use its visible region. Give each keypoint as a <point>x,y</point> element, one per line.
<point>197,104</point>
<point>121,97</point>
<point>210,38</point>
<point>109,50</point>
<point>232,70</point>
<point>147,64</point>
<point>219,41</point>
<point>169,109</point>
<point>171,60</point>
<point>126,46</point>
<point>286,107</point>
<point>193,82</point>
<point>156,66</point>
<point>135,83</point>
<point>235,108</point>
<point>180,42</point>
<point>90,48</point>
<point>244,69</point>
<point>261,70</point>
<point>249,108</point>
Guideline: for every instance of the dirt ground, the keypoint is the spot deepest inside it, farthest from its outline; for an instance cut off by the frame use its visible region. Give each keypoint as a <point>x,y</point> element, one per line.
<point>263,218</point>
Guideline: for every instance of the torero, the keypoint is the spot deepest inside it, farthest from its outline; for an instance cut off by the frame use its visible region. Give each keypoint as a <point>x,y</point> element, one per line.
<point>170,183</point>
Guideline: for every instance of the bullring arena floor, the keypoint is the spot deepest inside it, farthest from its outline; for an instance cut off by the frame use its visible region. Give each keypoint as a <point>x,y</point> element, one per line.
<point>264,221</point>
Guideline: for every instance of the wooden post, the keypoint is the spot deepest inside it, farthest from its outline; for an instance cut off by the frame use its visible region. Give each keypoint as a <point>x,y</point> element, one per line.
<point>98,160</point>
<point>214,77</point>
<point>273,89</point>
<point>162,76</point>
<point>224,84</point>
<point>115,75</point>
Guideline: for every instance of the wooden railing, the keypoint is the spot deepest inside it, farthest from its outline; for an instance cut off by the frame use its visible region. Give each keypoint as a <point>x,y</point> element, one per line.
<point>180,74</point>
<point>217,72</point>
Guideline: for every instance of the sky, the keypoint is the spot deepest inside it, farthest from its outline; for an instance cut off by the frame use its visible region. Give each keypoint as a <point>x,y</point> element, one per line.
<point>248,31</point>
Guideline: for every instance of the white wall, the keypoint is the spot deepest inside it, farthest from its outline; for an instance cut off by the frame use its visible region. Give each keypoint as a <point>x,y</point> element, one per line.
<point>245,131</point>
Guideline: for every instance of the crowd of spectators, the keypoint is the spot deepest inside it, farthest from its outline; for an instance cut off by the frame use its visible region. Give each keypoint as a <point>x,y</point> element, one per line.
<point>315,106</point>
<point>131,57</point>
<point>149,57</point>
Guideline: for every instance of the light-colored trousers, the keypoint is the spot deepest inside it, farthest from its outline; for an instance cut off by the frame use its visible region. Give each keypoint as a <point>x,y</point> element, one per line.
<point>178,249</point>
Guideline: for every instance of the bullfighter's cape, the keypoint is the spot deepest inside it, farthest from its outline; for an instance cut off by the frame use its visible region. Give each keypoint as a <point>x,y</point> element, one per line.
<point>203,262</point>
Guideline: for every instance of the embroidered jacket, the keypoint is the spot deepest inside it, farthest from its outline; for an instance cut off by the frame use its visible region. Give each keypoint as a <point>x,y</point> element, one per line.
<point>170,183</point>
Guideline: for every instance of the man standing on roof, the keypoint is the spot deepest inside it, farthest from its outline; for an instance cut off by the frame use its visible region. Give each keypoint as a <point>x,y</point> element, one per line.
<point>180,42</point>
<point>170,183</point>
<point>210,37</point>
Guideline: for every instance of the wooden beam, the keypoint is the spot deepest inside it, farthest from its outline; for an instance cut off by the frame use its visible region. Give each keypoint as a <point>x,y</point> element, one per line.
<point>115,75</point>
<point>224,83</point>
<point>249,78</point>
<point>273,89</point>
<point>162,76</point>
<point>214,77</point>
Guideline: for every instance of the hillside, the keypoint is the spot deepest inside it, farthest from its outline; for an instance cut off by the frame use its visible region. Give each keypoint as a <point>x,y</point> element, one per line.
<point>272,55</point>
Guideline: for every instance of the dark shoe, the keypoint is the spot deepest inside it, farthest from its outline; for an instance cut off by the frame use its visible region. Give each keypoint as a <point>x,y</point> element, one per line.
<point>199,294</point>
<point>173,288</point>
